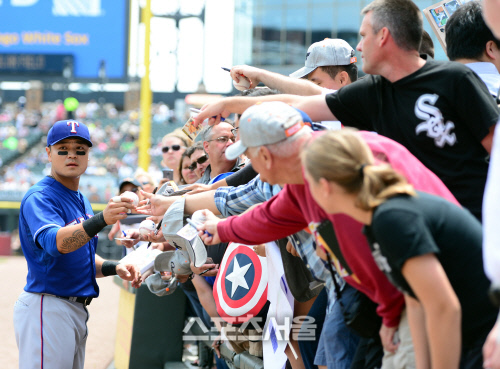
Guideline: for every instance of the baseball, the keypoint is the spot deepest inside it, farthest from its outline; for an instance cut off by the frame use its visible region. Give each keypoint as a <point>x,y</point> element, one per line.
<point>132,196</point>
<point>146,227</point>
<point>198,217</point>
<point>242,85</point>
<point>129,195</point>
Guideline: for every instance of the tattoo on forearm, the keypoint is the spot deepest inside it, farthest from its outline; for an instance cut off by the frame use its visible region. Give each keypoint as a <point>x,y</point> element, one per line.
<point>74,242</point>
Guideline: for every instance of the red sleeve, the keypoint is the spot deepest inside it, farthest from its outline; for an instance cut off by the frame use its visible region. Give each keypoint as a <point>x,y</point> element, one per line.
<point>366,275</point>
<point>274,219</point>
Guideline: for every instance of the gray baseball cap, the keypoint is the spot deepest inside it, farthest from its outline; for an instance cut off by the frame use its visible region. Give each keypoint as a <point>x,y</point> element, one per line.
<point>329,52</point>
<point>176,261</point>
<point>266,124</point>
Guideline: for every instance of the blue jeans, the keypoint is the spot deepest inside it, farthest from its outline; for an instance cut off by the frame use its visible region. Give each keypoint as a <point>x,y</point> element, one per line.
<point>196,305</point>
<point>338,343</point>
<point>308,348</point>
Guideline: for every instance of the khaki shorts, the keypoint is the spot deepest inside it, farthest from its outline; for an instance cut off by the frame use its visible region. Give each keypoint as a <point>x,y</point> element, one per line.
<point>404,357</point>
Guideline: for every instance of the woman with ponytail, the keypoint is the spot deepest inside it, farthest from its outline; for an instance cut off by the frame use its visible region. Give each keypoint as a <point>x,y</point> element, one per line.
<point>428,247</point>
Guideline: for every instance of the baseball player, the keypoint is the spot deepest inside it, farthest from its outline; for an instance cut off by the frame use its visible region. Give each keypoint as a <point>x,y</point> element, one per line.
<point>58,232</point>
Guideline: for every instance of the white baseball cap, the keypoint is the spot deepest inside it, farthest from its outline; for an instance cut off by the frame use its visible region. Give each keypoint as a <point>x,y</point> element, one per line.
<point>266,124</point>
<point>329,52</point>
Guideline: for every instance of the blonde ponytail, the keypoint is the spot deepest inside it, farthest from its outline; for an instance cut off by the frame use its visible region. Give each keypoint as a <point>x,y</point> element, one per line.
<point>344,158</point>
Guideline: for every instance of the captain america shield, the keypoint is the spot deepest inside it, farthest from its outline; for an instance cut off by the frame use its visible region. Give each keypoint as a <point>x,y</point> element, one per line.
<point>240,290</point>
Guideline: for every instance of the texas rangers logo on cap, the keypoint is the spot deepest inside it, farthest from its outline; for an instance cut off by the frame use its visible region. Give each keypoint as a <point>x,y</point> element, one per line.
<point>68,129</point>
<point>240,290</point>
<point>73,123</point>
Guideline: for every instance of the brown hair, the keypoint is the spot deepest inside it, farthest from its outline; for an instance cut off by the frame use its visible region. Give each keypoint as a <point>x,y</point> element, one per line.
<point>182,181</point>
<point>426,46</point>
<point>344,158</point>
<point>333,70</point>
<point>403,18</point>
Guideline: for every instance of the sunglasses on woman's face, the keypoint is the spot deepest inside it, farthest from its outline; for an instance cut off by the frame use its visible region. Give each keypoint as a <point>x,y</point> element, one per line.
<point>165,149</point>
<point>200,161</point>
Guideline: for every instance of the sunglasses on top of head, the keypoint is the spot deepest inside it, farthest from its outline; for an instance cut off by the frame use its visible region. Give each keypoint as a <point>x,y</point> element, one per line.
<point>200,160</point>
<point>165,149</point>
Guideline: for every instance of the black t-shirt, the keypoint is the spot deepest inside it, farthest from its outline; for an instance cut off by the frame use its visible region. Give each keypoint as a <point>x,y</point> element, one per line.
<point>404,227</point>
<point>242,176</point>
<point>440,114</point>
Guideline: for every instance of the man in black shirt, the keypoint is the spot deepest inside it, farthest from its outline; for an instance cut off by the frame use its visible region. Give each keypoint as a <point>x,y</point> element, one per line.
<point>441,111</point>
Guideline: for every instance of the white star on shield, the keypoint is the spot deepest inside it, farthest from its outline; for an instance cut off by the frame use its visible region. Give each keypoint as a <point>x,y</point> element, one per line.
<point>237,277</point>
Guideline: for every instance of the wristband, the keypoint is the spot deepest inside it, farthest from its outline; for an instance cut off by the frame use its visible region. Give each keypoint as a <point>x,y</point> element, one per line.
<point>109,268</point>
<point>94,225</point>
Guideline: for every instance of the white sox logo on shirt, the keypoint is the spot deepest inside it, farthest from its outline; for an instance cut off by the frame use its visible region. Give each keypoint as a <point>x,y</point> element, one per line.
<point>73,124</point>
<point>434,122</point>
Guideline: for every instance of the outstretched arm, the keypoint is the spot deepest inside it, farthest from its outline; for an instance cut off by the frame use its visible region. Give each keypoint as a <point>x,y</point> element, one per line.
<point>157,205</point>
<point>314,106</point>
<point>127,272</point>
<point>285,84</point>
<point>71,238</point>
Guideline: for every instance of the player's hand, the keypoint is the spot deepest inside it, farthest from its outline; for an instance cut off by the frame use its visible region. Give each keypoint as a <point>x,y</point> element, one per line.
<point>208,230</point>
<point>387,337</point>
<point>129,272</point>
<point>291,249</point>
<point>213,112</point>
<point>115,211</point>
<point>250,73</point>
<point>491,349</point>
<point>197,188</point>
<point>155,205</point>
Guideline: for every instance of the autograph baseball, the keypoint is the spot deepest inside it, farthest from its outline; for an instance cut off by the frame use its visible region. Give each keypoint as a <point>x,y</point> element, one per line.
<point>146,227</point>
<point>242,85</point>
<point>129,195</point>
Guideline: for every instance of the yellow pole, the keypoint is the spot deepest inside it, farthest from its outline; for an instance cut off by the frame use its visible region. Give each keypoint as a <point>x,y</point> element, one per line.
<point>146,94</point>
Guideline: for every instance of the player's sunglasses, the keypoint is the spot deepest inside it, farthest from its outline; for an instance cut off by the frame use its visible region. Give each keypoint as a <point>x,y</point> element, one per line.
<point>200,160</point>
<point>165,149</point>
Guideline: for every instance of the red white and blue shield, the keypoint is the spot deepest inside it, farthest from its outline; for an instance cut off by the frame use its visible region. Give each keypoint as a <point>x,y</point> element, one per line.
<point>240,290</point>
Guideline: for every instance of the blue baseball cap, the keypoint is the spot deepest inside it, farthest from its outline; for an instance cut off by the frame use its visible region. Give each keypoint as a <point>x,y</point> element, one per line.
<point>68,129</point>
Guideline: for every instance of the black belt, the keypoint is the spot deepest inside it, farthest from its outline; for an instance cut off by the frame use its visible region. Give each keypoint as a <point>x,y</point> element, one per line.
<point>82,300</point>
